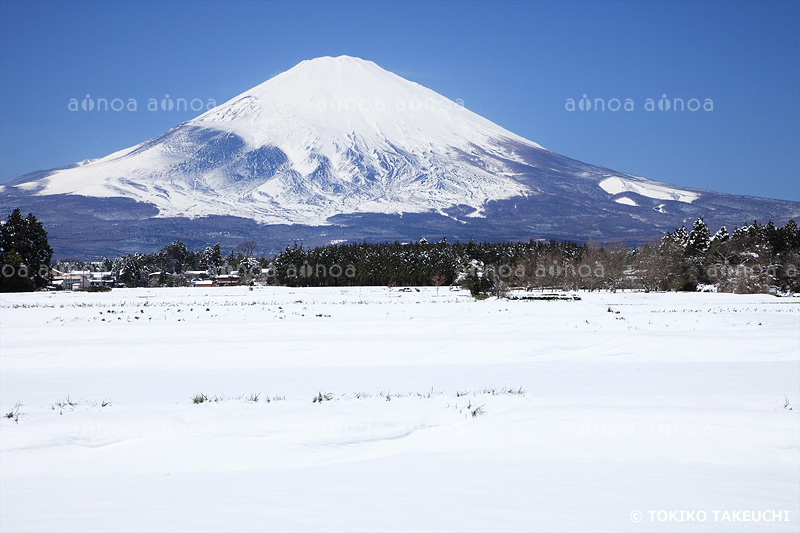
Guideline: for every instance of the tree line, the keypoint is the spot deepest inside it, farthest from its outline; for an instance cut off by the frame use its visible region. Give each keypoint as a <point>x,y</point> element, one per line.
<point>749,259</point>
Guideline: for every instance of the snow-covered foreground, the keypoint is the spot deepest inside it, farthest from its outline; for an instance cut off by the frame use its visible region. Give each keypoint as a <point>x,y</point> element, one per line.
<point>638,410</point>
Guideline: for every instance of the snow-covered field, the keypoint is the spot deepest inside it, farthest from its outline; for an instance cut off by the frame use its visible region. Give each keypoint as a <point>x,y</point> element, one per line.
<point>618,412</point>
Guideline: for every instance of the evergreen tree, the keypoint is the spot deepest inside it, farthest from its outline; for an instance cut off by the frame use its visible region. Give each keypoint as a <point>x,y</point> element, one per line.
<point>25,254</point>
<point>231,261</point>
<point>128,271</point>
<point>697,244</point>
<point>698,240</point>
<point>679,237</point>
<point>211,258</point>
<point>173,257</point>
<point>674,268</point>
<point>249,269</point>
<point>720,236</point>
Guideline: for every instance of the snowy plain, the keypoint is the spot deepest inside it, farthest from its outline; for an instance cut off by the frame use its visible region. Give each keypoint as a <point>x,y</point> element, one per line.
<point>437,412</point>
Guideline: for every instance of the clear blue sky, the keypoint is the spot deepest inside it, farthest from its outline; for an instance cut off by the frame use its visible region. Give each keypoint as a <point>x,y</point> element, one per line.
<point>516,63</point>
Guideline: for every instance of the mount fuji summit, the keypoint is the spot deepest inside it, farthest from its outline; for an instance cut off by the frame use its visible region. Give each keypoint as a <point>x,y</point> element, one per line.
<point>339,149</point>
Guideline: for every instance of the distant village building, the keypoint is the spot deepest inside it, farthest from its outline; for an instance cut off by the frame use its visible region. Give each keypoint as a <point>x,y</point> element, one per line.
<point>102,279</point>
<point>78,280</point>
<point>226,280</point>
<point>201,278</point>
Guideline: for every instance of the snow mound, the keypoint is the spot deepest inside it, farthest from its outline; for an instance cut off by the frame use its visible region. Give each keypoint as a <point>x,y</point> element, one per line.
<point>647,188</point>
<point>626,201</point>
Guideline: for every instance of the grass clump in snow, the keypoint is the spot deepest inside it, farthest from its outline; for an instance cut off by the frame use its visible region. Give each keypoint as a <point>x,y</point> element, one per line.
<point>470,410</point>
<point>475,411</point>
<point>519,391</point>
<point>15,413</point>
<point>254,397</point>
<point>319,398</point>
<point>199,398</point>
<point>68,404</point>
<point>61,405</point>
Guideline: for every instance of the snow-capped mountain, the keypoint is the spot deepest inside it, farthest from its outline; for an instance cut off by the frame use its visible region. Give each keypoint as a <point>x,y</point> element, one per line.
<point>339,147</point>
<point>330,136</point>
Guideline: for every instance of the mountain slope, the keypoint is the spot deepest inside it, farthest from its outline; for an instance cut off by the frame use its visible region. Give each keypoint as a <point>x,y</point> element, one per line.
<point>341,145</point>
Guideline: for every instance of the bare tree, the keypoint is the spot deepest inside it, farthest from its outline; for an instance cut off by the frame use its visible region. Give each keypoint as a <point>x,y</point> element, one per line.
<point>246,249</point>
